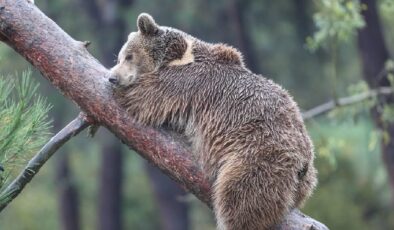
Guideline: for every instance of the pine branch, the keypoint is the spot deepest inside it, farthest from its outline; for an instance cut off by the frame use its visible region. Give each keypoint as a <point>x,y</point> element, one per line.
<point>345,101</point>
<point>24,126</point>
<point>34,165</point>
<point>69,67</point>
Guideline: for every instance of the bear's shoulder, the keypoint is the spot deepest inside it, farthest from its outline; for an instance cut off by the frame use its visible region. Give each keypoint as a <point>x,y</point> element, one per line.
<point>219,53</point>
<point>183,50</point>
<point>226,54</point>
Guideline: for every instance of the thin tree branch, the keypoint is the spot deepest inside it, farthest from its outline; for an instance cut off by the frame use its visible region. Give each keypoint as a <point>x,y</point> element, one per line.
<point>345,101</point>
<point>81,78</point>
<point>34,165</point>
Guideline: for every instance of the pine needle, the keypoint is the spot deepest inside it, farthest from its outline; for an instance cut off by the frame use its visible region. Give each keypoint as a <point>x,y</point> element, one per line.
<point>24,124</point>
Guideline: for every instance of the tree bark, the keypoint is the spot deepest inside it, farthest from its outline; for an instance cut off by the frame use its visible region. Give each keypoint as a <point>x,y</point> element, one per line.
<point>68,197</point>
<point>81,78</point>
<point>105,19</point>
<point>374,54</point>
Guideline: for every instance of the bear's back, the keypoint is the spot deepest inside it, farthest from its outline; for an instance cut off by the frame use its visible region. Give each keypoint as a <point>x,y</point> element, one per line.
<point>220,89</point>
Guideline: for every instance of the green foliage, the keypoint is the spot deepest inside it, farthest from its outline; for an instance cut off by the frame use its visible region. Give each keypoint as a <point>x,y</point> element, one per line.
<point>387,5</point>
<point>356,110</point>
<point>24,126</point>
<point>352,180</point>
<point>388,113</point>
<point>335,20</point>
<point>352,177</point>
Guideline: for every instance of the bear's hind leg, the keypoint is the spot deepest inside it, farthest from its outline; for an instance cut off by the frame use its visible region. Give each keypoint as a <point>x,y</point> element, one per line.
<point>251,197</point>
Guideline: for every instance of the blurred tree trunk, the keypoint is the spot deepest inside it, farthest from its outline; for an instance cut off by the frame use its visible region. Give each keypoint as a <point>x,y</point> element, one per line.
<point>303,20</point>
<point>173,210</point>
<point>374,54</point>
<point>68,195</point>
<point>111,30</point>
<point>236,11</point>
<point>110,187</point>
<point>68,199</point>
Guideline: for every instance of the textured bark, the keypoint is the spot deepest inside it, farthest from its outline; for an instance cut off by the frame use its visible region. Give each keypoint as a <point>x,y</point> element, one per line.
<point>81,78</point>
<point>67,191</point>
<point>105,19</point>
<point>374,54</point>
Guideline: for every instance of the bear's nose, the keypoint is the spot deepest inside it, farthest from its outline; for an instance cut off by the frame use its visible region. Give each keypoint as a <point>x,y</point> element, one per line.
<point>113,80</point>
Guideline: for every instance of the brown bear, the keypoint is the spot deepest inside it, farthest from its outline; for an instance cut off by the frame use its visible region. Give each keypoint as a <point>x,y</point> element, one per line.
<point>245,131</point>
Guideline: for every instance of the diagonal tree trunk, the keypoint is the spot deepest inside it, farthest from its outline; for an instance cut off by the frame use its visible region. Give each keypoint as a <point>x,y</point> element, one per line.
<point>81,78</point>
<point>374,54</point>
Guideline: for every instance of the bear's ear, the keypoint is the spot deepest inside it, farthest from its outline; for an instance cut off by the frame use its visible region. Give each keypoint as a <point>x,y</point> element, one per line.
<point>147,25</point>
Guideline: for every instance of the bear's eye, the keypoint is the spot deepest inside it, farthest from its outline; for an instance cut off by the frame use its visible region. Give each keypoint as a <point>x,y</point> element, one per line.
<point>129,57</point>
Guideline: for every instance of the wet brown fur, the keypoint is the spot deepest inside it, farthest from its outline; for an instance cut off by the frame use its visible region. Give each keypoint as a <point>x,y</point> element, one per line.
<point>245,130</point>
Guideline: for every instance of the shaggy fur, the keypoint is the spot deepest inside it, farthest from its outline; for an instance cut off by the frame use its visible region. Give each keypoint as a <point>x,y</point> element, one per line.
<point>245,130</point>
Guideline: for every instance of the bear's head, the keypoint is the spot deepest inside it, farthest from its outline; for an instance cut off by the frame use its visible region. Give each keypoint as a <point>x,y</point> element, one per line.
<point>148,49</point>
